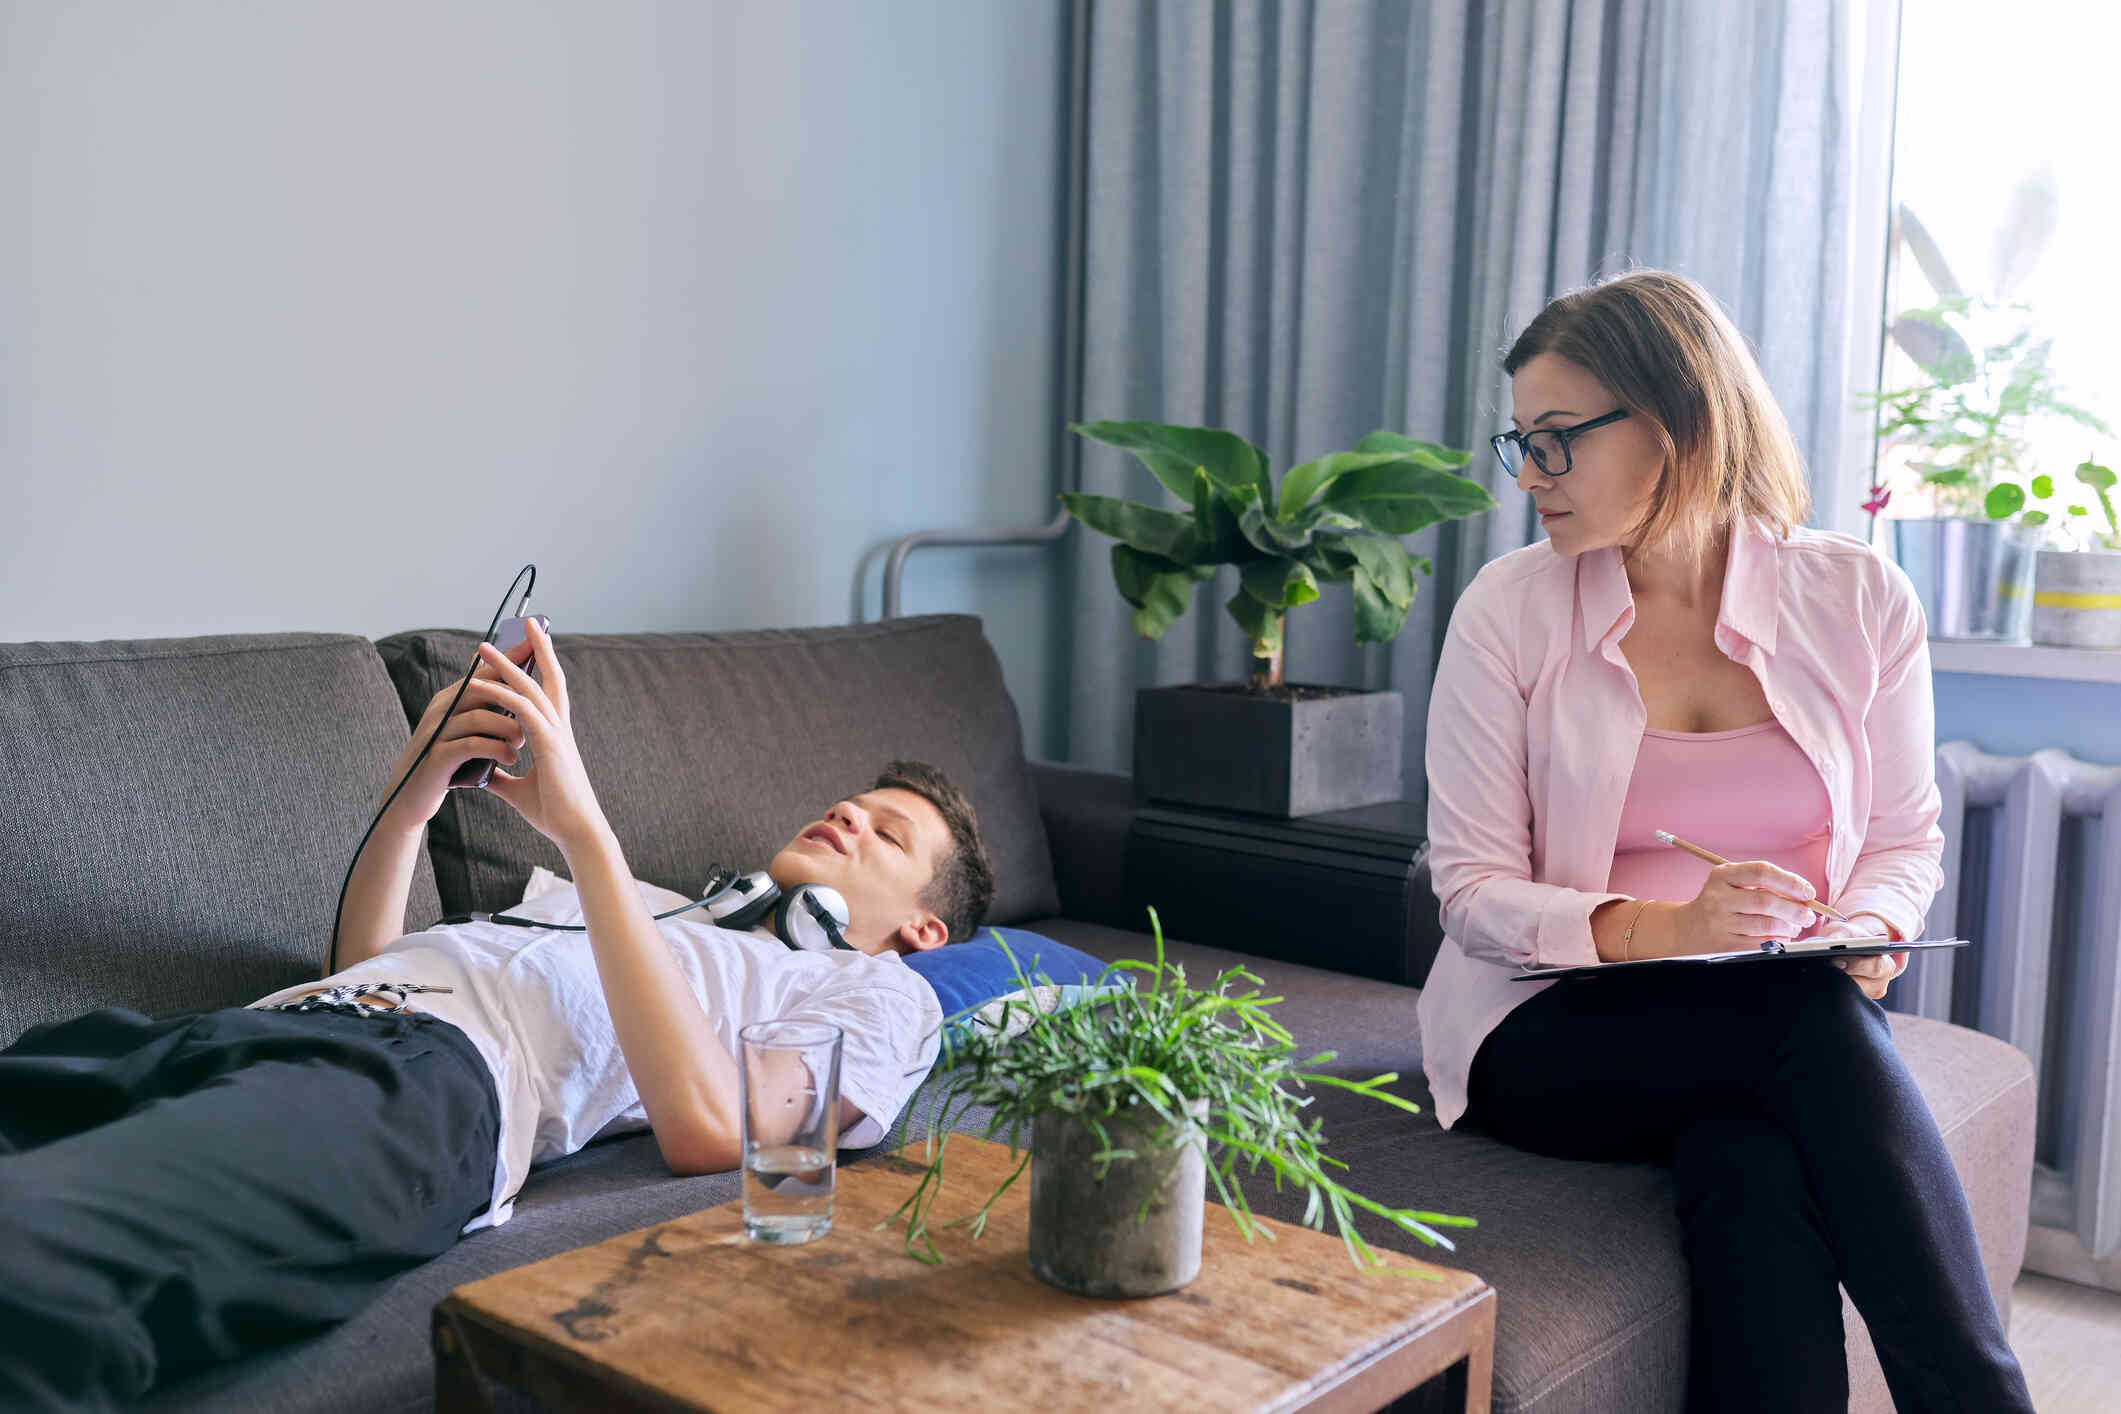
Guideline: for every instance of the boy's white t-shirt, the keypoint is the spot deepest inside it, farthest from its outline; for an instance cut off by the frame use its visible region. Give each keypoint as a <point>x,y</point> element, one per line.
<point>531,1002</point>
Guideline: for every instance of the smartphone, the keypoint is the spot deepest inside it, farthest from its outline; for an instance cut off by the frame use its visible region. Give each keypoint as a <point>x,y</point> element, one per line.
<point>509,637</point>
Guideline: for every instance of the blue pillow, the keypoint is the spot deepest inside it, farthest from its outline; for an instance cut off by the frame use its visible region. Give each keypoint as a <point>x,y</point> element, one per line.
<point>968,975</point>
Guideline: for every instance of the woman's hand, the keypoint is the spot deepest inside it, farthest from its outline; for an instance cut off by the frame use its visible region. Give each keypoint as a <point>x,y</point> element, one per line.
<point>1744,903</point>
<point>554,795</point>
<point>1872,974</point>
<point>479,729</point>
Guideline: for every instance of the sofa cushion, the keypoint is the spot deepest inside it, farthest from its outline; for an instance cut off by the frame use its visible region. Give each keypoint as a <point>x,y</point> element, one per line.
<point>715,748</point>
<point>186,809</point>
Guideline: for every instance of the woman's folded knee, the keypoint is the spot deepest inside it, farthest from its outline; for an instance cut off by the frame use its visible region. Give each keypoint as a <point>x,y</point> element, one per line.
<point>1829,998</point>
<point>1811,995</point>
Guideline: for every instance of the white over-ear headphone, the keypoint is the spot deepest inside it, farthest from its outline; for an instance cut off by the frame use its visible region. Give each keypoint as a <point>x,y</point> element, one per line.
<point>808,918</point>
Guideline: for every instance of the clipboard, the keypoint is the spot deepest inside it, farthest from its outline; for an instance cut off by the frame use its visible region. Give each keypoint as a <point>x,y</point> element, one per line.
<point>1770,951</point>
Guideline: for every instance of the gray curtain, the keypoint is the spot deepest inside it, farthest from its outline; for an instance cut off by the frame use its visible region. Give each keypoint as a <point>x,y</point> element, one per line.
<point>1307,220</point>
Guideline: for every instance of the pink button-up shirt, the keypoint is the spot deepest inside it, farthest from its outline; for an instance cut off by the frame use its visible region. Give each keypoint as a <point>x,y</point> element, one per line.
<point>1534,722</point>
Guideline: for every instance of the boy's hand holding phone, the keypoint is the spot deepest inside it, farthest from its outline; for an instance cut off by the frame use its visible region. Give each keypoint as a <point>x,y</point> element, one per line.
<point>554,795</point>
<point>481,732</point>
<point>512,638</point>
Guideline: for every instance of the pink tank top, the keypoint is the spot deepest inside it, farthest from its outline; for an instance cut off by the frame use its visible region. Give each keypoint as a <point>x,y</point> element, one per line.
<point>1750,793</point>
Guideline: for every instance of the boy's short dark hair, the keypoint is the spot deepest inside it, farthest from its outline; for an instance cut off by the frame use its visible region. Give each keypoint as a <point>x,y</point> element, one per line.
<point>963,886</point>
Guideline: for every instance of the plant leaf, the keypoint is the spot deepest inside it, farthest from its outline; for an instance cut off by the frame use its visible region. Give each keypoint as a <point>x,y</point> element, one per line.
<point>1387,565</point>
<point>1261,624</point>
<point>1306,481</point>
<point>1330,560</point>
<point>1377,619</point>
<point>1159,589</point>
<point>1268,535</point>
<point>1928,254</point>
<point>1429,454</point>
<point>1169,534</point>
<point>2043,486</point>
<point>1279,584</point>
<point>1221,540</point>
<point>2084,415</point>
<point>2028,226</point>
<point>1174,453</point>
<point>2004,499</point>
<point>1935,346</point>
<point>1400,498</point>
<point>2094,475</point>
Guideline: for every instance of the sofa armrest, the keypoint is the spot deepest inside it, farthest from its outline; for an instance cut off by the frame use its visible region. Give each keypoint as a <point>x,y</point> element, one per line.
<point>1087,815</point>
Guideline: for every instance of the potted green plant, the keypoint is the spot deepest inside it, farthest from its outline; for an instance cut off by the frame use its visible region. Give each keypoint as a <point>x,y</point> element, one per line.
<point>2077,587</point>
<point>1266,745</point>
<point>1134,1098</point>
<point>1962,424</point>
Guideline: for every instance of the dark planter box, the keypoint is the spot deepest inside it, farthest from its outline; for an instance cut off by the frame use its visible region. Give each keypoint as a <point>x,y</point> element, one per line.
<point>1205,745</point>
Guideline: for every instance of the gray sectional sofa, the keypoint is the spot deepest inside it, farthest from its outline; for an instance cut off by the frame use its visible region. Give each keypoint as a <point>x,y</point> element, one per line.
<point>180,813</point>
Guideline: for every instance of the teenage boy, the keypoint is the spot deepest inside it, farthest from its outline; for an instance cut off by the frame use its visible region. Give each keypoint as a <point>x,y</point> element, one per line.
<point>182,1191</point>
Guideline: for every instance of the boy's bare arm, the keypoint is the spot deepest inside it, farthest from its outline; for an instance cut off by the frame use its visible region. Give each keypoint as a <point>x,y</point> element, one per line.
<point>374,915</point>
<point>685,1075</point>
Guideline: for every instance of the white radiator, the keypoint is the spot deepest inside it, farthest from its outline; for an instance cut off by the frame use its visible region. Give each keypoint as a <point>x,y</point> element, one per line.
<point>2032,875</point>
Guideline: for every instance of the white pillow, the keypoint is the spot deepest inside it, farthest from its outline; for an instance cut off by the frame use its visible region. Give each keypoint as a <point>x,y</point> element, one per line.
<point>659,900</point>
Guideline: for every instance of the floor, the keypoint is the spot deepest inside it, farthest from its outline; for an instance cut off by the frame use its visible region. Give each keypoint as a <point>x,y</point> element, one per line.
<point>2068,1339</point>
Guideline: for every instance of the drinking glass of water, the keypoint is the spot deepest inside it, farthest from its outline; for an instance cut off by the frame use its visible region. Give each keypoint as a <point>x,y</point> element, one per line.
<point>791,1079</point>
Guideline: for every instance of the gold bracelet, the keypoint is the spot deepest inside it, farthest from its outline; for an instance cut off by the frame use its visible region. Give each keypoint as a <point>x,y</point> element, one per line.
<point>1627,939</point>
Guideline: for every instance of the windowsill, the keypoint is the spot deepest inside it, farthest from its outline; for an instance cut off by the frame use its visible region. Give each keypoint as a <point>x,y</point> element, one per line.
<point>2026,660</point>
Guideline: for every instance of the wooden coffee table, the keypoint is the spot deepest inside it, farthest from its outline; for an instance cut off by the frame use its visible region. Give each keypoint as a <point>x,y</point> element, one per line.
<point>689,1315</point>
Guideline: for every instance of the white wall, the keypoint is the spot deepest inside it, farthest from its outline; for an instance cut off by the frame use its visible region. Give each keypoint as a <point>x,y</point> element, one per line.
<point>330,315</point>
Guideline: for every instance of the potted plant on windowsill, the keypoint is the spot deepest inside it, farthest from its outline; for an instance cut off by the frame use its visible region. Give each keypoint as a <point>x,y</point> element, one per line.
<point>1963,426</point>
<point>2077,586</point>
<point>1266,745</point>
<point>1134,1098</point>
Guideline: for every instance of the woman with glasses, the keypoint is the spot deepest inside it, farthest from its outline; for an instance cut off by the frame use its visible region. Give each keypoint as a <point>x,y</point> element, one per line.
<point>1682,654</point>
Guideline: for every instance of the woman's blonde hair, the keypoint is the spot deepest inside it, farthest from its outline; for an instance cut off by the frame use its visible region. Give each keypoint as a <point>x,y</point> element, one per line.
<point>1663,346</point>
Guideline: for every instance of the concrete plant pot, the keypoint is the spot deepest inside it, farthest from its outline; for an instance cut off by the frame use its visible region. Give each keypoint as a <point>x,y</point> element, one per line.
<point>1303,751</point>
<point>2077,598</point>
<point>1089,1234</point>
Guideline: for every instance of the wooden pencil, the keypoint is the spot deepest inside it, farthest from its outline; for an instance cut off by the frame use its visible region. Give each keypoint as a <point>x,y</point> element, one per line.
<point>1699,853</point>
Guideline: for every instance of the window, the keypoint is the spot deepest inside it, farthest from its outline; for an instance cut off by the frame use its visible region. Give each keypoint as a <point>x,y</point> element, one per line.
<point>2004,153</point>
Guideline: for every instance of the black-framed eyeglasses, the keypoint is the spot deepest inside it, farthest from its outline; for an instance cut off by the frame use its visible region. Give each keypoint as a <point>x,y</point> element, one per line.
<point>1548,447</point>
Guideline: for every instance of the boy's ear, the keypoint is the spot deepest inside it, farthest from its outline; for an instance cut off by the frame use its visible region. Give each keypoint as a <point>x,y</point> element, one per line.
<point>922,932</point>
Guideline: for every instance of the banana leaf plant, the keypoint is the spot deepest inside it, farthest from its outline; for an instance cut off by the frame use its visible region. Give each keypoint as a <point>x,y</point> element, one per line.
<point>1336,520</point>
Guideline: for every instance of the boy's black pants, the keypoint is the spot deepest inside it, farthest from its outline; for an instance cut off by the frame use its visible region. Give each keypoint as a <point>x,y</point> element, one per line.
<point>1802,1155</point>
<point>180,1192</point>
